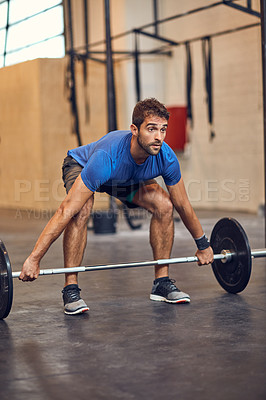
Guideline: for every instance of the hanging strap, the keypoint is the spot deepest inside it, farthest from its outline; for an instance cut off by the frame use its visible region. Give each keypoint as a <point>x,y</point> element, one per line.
<point>70,83</point>
<point>137,68</point>
<point>189,83</point>
<point>85,85</point>
<point>207,63</point>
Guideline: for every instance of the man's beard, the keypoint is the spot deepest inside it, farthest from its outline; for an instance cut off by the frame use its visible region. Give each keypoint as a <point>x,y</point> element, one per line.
<point>148,147</point>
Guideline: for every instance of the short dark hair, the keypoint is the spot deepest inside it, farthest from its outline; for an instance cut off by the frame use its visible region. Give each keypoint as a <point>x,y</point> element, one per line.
<point>147,107</point>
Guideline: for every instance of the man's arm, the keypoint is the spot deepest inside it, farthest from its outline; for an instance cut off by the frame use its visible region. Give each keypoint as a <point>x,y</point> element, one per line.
<point>182,205</point>
<point>73,203</point>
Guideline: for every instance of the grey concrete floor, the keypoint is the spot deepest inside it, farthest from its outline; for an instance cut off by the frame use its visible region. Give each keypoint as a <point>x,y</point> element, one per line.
<point>128,347</point>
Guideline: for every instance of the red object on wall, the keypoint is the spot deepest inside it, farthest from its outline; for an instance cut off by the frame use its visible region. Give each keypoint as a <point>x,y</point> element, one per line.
<point>176,136</point>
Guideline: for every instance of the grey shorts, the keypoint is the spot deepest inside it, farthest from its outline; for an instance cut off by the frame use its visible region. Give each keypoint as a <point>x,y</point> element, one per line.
<point>71,170</point>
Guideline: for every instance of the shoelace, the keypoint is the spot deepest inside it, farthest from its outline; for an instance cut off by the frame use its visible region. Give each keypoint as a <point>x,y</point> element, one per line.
<point>171,284</point>
<point>73,294</point>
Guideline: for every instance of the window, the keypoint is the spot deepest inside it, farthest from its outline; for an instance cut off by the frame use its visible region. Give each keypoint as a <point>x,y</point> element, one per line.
<point>30,29</point>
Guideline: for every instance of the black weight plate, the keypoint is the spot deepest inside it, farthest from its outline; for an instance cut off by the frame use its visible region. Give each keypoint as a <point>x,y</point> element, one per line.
<point>228,234</point>
<point>6,283</point>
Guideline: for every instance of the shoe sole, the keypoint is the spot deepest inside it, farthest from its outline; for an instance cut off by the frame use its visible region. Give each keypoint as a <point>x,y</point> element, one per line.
<point>79,311</point>
<point>183,300</point>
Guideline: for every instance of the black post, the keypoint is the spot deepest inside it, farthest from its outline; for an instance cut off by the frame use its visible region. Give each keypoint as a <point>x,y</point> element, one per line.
<point>7,28</point>
<point>85,65</point>
<point>263,47</point>
<point>111,100</point>
<point>137,74</point>
<point>155,16</point>
<point>73,96</point>
<point>86,28</point>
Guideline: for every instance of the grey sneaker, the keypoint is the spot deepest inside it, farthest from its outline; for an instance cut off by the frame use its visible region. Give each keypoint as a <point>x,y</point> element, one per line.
<point>73,304</point>
<point>166,290</point>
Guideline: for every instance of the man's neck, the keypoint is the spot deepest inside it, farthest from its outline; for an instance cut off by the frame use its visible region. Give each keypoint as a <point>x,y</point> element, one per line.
<point>138,154</point>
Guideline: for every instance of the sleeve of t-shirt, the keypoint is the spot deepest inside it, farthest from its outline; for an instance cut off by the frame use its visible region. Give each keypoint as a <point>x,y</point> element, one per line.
<point>97,171</point>
<point>172,172</point>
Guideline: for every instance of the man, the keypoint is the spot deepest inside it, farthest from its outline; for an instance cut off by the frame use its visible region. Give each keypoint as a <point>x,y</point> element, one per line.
<point>123,164</point>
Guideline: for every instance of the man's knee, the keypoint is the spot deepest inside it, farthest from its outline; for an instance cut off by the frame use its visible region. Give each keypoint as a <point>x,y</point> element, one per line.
<point>155,199</point>
<point>82,217</point>
<point>163,206</point>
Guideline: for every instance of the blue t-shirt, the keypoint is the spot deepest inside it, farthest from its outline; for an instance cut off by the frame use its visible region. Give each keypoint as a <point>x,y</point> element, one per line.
<point>109,161</point>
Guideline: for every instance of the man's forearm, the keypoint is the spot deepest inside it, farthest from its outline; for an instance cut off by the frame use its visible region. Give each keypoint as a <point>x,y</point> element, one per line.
<point>73,203</point>
<point>71,206</point>
<point>182,205</point>
<point>51,232</point>
<point>191,221</point>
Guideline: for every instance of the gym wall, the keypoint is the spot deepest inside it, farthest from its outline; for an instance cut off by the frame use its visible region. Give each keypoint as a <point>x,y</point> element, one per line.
<point>36,128</point>
<point>36,123</point>
<point>227,172</point>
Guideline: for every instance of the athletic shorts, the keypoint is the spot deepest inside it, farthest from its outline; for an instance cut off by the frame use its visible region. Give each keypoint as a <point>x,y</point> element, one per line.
<point>71,169</point>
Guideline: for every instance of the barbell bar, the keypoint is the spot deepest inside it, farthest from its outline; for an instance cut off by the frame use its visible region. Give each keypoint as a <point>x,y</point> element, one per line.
<point>88,268</point>
<point>225,256</point>
<point>231,265</point>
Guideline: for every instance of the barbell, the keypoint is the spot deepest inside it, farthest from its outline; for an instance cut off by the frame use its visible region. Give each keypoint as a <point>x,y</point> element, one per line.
<point>231,265</point>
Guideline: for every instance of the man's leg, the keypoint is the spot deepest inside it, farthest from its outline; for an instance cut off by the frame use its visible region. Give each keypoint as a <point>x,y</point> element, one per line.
<point>75,240</point>
<point>74,243</point>
<point>153,198</point>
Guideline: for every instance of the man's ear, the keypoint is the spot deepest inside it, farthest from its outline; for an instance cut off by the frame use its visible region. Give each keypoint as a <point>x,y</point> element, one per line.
<point>134,130</point>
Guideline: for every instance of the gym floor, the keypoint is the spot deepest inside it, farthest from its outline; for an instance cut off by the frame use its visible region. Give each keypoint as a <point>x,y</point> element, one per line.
<point>128,347</point>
